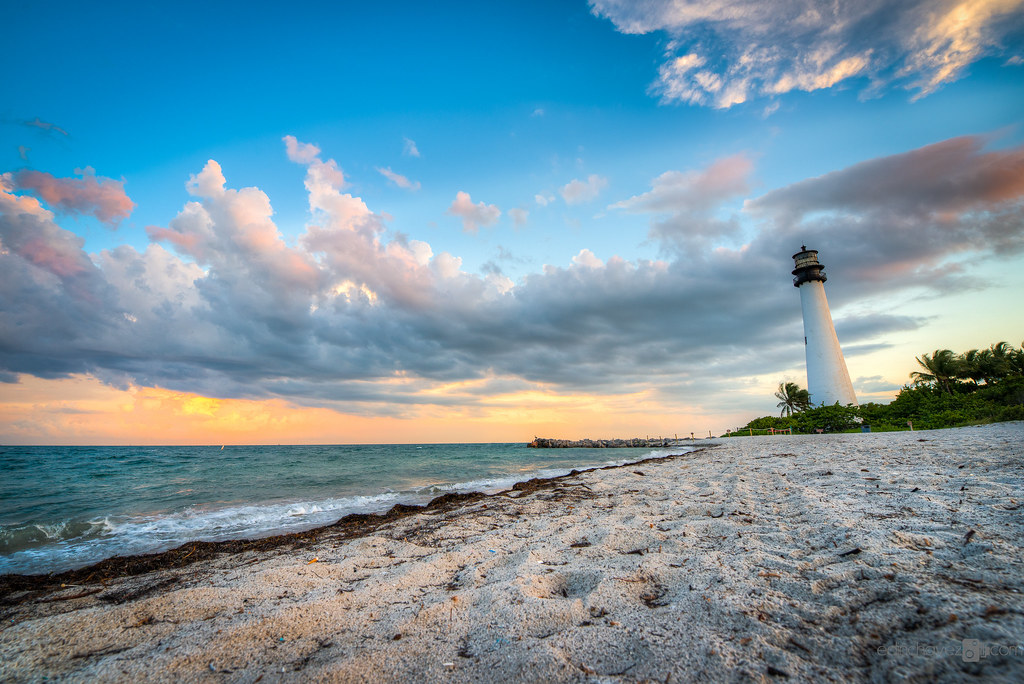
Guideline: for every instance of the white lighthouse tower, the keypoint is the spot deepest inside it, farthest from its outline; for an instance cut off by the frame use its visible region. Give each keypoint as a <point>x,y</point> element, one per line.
<point>828,381</point>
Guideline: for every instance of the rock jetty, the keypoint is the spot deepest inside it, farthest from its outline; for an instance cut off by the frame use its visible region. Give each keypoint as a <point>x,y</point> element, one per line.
<point>545,443</point>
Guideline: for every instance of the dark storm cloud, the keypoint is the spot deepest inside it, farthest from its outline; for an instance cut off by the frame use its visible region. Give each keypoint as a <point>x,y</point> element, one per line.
<point>349,318</point>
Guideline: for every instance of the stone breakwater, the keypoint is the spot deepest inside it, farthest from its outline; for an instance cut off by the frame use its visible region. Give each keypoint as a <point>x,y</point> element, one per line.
<point>544,443</point>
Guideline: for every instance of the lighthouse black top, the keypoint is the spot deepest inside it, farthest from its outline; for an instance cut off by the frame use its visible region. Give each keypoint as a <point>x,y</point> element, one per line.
<point>807,267</point>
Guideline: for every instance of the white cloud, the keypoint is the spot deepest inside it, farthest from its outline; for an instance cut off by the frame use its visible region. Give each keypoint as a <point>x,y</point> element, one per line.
<point>409,148</point>
<point>677,191</point>
<point>725,52</point>
<point>335,318</point>
<point>473,215</point>
<point>587,259</point>
<point>207,183</point>
<point>544,199</point>
<point>578,192</point>
<point>399,180</point>
<point>687,202</point>
<point>519,216</point>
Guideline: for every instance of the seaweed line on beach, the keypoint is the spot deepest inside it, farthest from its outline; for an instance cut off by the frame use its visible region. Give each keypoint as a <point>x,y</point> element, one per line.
<point>18,588</point>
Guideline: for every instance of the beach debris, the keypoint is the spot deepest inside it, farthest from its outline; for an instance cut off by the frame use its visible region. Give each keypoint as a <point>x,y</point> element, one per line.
<point>655,598</point>
<point>992,611</point>
<point>852,552</point>
<point>635,552</point>
<point>81,594</point>
<point>102,652</point>
<point>315,559</point>
<point>967,537</point>
<point>799,645</point>
<point>776,672</point>
<point>638,472</point>
<point>582,543</point>
<point>148,620</point>
<point>712,515</point>
<point>915,489</point>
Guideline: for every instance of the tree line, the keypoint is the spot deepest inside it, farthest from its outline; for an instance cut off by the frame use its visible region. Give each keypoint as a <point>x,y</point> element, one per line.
<point>948,390</point>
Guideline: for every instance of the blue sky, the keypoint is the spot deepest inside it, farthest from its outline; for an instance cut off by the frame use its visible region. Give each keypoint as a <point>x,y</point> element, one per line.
<point>591,165</point>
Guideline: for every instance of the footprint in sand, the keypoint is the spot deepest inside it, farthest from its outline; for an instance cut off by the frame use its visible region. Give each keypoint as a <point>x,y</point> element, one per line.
<point>568,585</point>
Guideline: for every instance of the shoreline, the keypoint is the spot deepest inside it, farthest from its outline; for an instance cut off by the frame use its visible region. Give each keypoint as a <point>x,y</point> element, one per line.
<point>351,526</point>
<point>157,500</point>
<point>811,558</point>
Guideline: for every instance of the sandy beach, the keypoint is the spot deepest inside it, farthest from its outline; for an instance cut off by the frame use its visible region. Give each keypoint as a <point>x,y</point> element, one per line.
<point>818,558</point>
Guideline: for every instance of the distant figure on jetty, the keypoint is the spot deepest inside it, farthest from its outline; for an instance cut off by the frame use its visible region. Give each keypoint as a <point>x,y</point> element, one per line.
<point>544,443</point>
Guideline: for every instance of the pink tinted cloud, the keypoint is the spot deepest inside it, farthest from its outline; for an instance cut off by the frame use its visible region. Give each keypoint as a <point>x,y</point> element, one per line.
<point>101,197</point>
<point>694,190</point>
<point>473,215</point>
<point>27,229</point>
<point>399,180</point>
<point>952,176</point>
<point>300,152</point>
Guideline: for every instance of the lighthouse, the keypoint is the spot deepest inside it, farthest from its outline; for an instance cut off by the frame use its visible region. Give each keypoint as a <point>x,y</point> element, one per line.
<point>828,381</point>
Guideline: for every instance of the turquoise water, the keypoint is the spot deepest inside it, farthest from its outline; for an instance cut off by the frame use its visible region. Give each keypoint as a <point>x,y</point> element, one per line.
<point>66,507</point>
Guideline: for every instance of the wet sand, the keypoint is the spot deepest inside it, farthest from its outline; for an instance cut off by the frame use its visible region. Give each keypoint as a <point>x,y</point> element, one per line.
<point>826,557</point>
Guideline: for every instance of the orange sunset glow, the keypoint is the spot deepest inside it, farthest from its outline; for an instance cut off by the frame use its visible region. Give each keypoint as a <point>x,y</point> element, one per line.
<point>90,412</point>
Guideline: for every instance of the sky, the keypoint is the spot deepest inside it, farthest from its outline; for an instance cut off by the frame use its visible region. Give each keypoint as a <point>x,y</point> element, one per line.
<point>483,222</point>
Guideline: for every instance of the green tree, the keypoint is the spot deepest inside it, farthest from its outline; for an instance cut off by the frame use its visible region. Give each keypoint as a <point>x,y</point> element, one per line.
<point>999,360</point>
<point>792,399</point>
<point>969,366</point>
<point>834,418</point>
<point>939,368</point>
<point>1017,360</point>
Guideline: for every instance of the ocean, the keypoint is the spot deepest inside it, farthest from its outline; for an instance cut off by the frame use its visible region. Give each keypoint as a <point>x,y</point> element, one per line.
<point>67,507</point>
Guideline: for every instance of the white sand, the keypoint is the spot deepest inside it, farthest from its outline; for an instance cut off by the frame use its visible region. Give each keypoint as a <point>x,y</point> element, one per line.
<point>808,556</point>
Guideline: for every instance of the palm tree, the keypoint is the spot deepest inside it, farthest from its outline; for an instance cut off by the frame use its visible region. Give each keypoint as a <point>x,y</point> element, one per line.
<point>1000,360</point>
<point>792,399</point>
<point>939,368</point>
<point>970,366</point>
<point>1017,360</point>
